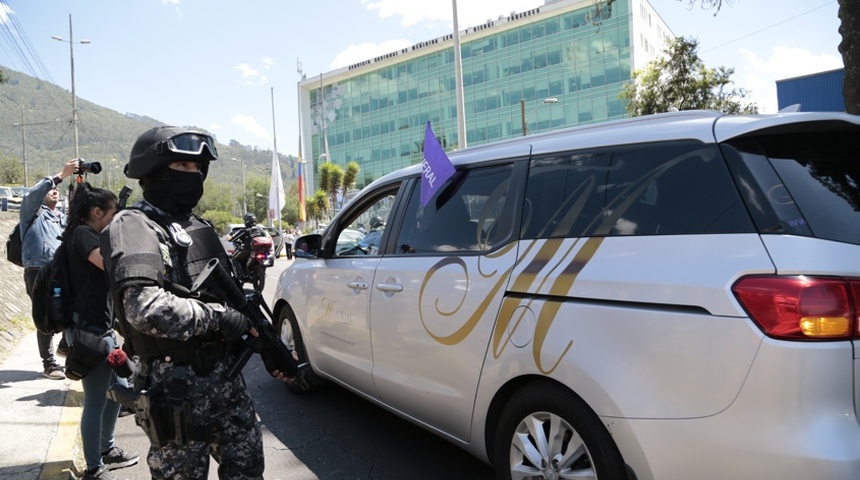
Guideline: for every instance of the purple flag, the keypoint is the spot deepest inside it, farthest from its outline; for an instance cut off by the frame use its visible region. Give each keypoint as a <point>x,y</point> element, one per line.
<point>437,168</point>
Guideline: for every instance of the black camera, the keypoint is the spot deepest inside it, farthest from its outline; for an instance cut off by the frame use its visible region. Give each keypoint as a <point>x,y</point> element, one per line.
<point>88,167</point>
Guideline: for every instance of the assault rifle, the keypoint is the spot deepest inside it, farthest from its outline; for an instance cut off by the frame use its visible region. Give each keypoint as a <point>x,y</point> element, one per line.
<point>214,280</point>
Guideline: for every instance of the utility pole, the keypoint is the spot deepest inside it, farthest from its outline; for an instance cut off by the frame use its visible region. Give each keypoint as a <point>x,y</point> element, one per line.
<point>71,43</point>
<point>23,124</point>
<point>24,148</point>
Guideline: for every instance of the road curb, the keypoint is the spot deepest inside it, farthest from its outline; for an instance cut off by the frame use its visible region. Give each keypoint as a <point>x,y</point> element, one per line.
<point>58,464</point>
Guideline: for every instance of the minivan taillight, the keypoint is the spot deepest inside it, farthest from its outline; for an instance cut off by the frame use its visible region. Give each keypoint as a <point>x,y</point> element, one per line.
<point>801,307</point>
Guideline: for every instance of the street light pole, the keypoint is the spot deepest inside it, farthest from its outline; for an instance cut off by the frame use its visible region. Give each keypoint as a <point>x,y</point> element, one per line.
<point>244,204</point>
<point>71,43</point>
<point>523,118</point>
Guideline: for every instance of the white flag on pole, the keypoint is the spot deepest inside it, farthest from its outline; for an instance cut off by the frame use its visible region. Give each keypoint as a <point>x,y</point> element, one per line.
<point>276,190</point>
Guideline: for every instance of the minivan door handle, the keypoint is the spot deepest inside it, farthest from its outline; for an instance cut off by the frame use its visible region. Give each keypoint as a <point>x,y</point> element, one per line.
<point>357,285</point>
<point>389,287</point>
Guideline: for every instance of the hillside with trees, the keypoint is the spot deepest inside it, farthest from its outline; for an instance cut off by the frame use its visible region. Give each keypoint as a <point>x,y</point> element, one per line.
<point>106,136</point>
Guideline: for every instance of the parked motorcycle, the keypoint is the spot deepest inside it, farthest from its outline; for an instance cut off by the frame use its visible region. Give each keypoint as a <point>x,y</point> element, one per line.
<point>253,254</point>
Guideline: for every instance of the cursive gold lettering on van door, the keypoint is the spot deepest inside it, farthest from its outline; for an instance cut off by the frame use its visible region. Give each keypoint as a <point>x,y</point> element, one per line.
<point>326,310</point>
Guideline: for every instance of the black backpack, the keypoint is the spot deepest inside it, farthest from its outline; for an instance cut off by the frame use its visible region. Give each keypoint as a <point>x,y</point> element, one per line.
<point>53,303</point>
<point>13,246</point>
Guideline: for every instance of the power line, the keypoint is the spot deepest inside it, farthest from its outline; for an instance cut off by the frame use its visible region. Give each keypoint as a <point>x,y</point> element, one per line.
<point>27,55</point>
<point>769,27</point>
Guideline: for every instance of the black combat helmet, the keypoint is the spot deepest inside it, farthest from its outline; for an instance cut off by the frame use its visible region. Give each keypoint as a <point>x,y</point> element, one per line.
<point>160,146</point>
<point>250,219</point>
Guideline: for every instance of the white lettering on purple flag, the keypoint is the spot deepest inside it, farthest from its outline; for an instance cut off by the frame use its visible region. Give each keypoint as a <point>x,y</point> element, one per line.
<point>436,167</point>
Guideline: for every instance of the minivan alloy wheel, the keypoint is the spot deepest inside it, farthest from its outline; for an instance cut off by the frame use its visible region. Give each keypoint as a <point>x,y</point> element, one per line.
<point>546,432</point>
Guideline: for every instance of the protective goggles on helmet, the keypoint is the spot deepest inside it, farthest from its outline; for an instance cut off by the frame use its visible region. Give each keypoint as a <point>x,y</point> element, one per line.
<point>188,143</point>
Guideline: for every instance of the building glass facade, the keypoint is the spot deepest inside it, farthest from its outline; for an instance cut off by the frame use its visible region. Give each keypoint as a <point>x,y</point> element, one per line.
<point>375,112</point>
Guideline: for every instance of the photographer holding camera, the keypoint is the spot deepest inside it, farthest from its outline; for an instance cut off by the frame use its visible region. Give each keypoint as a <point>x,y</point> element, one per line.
<point>41,226</point>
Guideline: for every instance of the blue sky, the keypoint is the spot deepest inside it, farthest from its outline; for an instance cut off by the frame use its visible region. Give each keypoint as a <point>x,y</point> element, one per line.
<point>216,64</point>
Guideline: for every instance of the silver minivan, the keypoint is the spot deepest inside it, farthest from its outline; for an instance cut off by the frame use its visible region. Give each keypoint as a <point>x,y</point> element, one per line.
<point>673,296</point>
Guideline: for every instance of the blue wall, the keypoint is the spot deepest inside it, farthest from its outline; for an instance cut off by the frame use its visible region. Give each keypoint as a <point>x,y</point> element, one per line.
<point>819,92</point>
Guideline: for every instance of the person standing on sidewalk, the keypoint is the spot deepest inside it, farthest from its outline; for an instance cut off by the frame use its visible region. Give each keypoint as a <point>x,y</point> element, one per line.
<point>41,227</point>
<point>90,211</point>
<point>289,238</point>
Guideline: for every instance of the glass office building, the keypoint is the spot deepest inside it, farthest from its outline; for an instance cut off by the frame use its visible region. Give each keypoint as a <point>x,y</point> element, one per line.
<point>577,53</point>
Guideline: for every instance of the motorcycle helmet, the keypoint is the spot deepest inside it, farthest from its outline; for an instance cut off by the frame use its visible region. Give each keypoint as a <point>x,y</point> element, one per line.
<point>158,147</point>
<point>376,223</point>
<point>250,219</point>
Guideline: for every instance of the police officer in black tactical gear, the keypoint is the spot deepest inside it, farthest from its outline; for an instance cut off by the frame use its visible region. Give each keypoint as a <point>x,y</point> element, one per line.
<point>153,252</point>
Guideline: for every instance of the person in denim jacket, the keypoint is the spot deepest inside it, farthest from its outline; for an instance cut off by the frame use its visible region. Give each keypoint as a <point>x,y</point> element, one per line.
<point>41,227</point>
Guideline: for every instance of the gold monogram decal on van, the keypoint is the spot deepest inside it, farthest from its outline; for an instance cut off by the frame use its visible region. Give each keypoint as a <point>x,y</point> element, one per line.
<point>472,321</point>
<point>507,322</point>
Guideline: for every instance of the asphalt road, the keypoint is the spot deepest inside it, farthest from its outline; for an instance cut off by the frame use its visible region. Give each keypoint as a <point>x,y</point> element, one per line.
<point>330,434</point>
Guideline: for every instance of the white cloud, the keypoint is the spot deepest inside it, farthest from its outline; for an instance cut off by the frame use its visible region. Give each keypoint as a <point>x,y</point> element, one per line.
<point>247,70</point>
<point>361,52</point>
<point>251,75</point>
<point>249,124</point>
<point>469,12</point>
<point>268,63</point>
<point>759,75</point>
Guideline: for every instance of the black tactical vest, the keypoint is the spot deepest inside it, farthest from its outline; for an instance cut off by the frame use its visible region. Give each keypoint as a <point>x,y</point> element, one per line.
<point>191,243</point>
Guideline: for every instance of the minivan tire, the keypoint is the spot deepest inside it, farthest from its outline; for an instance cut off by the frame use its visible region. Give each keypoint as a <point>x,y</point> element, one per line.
<point>536,410</point>
<point>289,333</point>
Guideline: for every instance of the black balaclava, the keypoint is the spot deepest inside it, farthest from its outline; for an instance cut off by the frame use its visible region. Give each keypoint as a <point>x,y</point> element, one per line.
<point>174,191</point>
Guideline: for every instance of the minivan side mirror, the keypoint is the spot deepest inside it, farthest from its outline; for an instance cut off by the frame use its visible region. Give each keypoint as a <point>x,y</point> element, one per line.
<point>308,246</point>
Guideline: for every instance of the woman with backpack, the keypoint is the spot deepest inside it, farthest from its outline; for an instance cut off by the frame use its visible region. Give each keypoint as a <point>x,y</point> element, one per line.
<point>90,211</point>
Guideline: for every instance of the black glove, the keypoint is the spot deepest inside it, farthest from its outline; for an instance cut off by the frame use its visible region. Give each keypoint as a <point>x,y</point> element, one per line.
<point>269,361</point>
<point>233,324</point>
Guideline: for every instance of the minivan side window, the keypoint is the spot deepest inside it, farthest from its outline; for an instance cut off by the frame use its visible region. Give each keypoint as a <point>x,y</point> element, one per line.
<point>668,188</point>
<point>471,213</point>
<point>362,230</point>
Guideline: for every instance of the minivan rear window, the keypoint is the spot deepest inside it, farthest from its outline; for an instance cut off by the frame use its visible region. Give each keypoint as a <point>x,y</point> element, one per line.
<point>811,183</point>
<point>666,188</point>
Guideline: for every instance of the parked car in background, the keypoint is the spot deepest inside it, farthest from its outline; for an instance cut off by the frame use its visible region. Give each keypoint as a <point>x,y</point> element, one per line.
<point>674,296</point>
<point>7,197</point>
<point>277,240</point>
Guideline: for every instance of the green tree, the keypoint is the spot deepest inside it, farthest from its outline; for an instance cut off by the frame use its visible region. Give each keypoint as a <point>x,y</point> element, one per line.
<point>331,182</point>
<point>11,170</point>
<point>257,190</point>
<point>349,176</point>
<point>216,197</point>
<point>220,219</point>
<point>849,48</point>
<point>290,212</point>
<point>317,206</point>
<point>679,80</point>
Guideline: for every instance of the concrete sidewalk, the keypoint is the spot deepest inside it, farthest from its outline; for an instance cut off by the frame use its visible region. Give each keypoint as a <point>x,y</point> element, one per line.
<point>39,418</point>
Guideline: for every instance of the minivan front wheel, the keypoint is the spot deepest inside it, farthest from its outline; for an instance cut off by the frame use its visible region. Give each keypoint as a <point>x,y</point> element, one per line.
<point>289,333</point>
<point>546,432</point>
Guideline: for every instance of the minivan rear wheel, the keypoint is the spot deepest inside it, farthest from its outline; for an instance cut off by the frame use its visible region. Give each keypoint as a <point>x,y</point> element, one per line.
<point>547,432</point>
